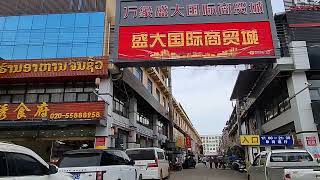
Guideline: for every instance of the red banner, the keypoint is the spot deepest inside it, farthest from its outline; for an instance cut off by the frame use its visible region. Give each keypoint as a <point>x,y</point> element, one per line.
<point>188,142</point>
<point>52,111</point>
<point>196,41</point>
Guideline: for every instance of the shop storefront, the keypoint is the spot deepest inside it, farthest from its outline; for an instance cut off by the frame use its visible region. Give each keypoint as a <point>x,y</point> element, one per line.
<point>49,106</point>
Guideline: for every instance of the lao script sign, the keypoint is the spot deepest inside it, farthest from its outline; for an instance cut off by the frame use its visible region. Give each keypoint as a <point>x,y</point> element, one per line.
<point>276,140</point>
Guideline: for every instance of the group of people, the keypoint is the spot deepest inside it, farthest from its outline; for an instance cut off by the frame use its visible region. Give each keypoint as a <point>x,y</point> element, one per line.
<point>217,162</point>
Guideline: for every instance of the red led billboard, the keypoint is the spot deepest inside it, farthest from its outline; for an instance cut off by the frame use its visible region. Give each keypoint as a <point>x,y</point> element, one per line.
<point>197,41</point>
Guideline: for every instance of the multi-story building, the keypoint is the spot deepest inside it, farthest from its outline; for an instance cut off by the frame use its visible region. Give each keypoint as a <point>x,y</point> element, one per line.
<point>283,98</point>
<point>210,144</point>
<point>60,91</point>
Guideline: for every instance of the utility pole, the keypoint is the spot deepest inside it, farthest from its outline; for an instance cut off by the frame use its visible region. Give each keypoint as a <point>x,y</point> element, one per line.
<point>171,124</point>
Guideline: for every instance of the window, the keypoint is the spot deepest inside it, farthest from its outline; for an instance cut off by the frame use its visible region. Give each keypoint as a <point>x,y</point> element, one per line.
<point>160,155</point>
<point>158,95</point>
<point>36,93</point>
<point>143,120</point>
<point>53,35</point>
<point>143,154</point>
<point>291,157</point>
<point>24,165</point>
<point>120,107</point>
<point>80,160</point>
<point>149,86</point>
<point>139,74</point>
<point>113,158</point>
<point>3,165</point>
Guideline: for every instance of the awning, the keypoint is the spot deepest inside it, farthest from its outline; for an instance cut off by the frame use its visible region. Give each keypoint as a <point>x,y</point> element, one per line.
<point>244,83</point>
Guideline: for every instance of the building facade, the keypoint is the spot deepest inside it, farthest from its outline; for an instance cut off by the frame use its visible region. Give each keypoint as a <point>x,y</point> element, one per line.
<point>282,98</point>
<point>211,144</point>
<point>60,91</point>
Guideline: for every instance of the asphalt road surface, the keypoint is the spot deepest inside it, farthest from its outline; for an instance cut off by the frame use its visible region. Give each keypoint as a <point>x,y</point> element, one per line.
<point>203,173</point>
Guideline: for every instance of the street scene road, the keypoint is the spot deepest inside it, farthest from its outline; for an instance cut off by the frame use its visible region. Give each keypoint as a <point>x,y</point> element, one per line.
<point>203,173</point>
<point>159,89</point>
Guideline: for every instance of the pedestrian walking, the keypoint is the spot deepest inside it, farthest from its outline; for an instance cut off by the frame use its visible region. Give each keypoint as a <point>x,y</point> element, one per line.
<point>204,161</point>
<point>216,162</point>
<point>211,162</point>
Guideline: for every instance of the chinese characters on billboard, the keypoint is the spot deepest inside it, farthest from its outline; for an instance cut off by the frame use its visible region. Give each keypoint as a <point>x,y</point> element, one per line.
<point>193,10</point>
<point>199,41</point>
<point>209,30</point>
<point>54,111</point>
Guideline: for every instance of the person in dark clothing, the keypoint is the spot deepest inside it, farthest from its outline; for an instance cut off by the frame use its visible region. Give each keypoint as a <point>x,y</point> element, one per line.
<point>210,162</point>
<point>216,162</point>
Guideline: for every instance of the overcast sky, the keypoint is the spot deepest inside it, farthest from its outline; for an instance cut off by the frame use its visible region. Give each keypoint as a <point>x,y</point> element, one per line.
<point>204,92</point>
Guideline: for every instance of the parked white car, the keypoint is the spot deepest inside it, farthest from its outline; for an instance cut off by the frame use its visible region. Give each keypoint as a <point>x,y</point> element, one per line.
<point>20,163</point>
<point>152,162</point>
<point>93,164</point>
<point>284,165</point>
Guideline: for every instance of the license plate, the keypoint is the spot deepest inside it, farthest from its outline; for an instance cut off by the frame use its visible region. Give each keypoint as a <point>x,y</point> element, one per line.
<point>76,176</point>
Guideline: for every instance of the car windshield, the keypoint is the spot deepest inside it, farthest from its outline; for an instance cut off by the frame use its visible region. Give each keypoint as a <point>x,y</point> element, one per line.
<point>143,154</point>
<point>80,160</point>
<point>291,157</point>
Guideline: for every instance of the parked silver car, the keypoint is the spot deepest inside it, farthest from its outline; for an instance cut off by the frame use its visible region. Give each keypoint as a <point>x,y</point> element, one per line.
<point>284,165</point>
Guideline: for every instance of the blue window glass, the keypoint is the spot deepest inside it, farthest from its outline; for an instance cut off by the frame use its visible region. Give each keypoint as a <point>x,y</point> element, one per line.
<point>66,36</point>
<point>2,21</point>
<point>68,20</point>
<point>34,52</point>
<point>94,50</point>
<point>37,37</point>
<point>39,21</point>
<point>80,35</point>
<point>51,36</point>
<point>25,22</point>
<point>79,50</point>
<point>49,51</point>
<point>11,23</point>
<point>22,37</point>
<point>82,20</point>
<point>8,37</point>
<point>53,21</point>
<point>6,52</point>
<point>20,52</point>
<point>97,19</point>
<point>64,51</point>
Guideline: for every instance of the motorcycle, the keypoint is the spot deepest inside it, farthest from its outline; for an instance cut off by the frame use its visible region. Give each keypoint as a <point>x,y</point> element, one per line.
<point>239,165</point>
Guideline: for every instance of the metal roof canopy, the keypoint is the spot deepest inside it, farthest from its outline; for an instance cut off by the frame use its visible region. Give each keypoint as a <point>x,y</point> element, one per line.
<point>244,83</point>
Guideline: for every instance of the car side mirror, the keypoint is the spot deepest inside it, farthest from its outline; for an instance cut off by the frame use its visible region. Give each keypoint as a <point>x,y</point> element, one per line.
<point>131,163</point>
<point>53,169</point>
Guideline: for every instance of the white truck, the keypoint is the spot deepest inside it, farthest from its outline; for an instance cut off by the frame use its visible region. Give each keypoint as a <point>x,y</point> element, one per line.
<point>284,165</point>
<point>95,164</point>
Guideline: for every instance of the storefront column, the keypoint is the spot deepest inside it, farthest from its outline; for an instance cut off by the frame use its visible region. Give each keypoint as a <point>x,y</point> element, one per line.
<point>105,94</point>
<point>133,110</point>
<point>155,131</point>
<point>305,126</point>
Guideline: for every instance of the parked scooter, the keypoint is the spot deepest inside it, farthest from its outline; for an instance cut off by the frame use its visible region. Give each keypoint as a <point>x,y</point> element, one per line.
<point>239,165</point>
<point>189,162</point>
